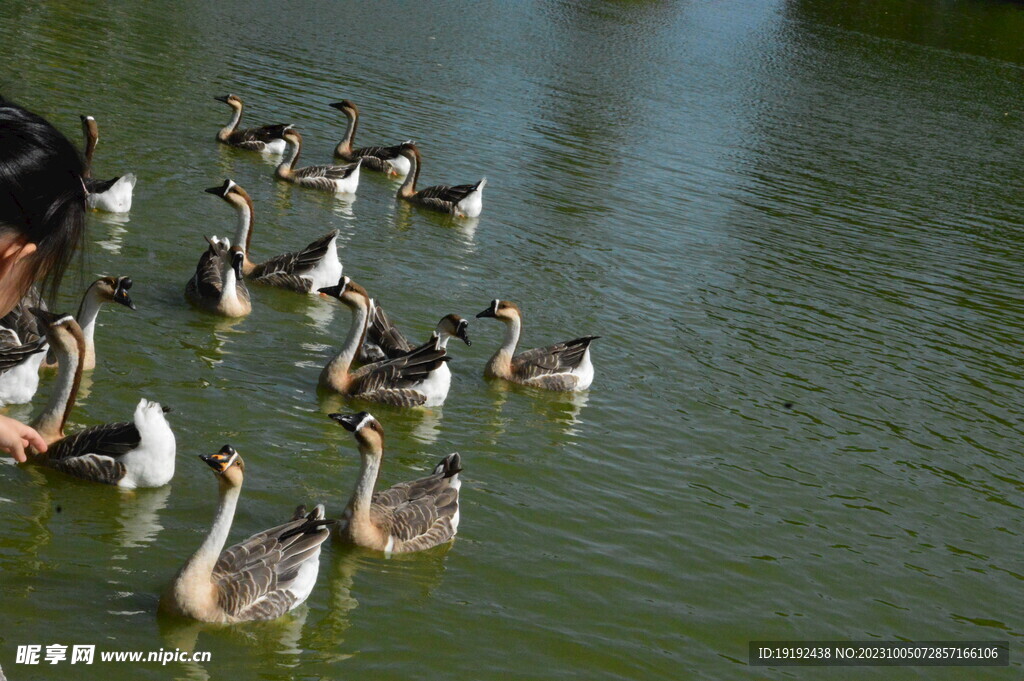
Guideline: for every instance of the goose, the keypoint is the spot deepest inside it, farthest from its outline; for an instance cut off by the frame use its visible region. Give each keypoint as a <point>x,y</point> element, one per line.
<point>130,455</point>
<point>103,290</point>
<point>384,340</point>
<point>411,516</point>
<point>305,271</point>
<point>407,381</point>
<point>464,200</point>
<point>331,178</point>
<point>563,366</point>
<point>217,285</point>
<point>266,138</point>
<point>261,578</point>
<point>382,159</point>
<point>111,196</point>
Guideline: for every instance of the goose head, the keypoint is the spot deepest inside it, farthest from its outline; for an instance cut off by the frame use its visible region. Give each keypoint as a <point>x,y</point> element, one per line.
<point>346,107</point>
<point>454,325</point>
<point>237,256</point>
<point>62,331</point>
<point>114,290</point>
<point>368,431</point>
<point>227,465</point>
<point>410,151</point>
<point>348,292</point>
<point>502,310</point>
<point>291,136</point>
<point>232,193</point>
<point>89,128</point>
<point>231,100</point>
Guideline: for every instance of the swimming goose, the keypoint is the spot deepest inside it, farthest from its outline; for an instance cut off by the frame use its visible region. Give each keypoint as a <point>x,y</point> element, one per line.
<point>464,200</point>
<point>138,454</point>
<point>407,381</point>
<point>411,516</point>
<point>265,138</point>
<point>103,290</point>
<point>382,159</point>
<point>261,578</point>
<point>305,271</point>
<point>217,285</point>
<point>331,178</point>
<point>384,340</point>
<point>112,196</point>
<point>563,366</point>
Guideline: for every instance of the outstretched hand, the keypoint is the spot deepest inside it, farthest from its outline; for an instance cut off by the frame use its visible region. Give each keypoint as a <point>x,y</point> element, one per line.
<point>16,436</point>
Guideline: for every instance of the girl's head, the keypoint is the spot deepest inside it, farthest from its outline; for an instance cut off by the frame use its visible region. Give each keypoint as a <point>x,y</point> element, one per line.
<point>42,204</point>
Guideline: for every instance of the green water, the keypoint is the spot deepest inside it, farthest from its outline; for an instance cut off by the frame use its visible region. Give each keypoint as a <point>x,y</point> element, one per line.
<point>754,203</point>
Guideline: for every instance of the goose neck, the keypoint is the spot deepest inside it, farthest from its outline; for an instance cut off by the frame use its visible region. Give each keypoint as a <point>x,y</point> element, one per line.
<point>408,187</point>
<point>202,562</point>
<point>362,495</point>
<point>50,423</point>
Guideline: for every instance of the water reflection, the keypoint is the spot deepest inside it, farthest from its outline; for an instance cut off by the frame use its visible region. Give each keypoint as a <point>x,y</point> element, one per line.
<point>113,225</point>
<point>138,516</point>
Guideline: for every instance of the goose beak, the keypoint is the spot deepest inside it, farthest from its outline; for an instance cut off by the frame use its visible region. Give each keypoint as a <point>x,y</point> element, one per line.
<point>121,294</point>
<point>350,421</point>
<point>336,290</point>
<point>489,312</point>
<point>222,99</point>
<point>337,105</point>
<point>463,333</point>
<point>221,460</point>
<point>216,191</point>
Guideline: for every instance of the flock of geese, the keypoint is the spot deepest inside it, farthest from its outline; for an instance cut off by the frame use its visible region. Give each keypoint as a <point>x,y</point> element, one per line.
<point>274,571</point>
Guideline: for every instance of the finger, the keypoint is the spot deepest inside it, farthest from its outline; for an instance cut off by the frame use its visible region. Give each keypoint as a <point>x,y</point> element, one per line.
<point>17,450</point>
<point>31,437</point>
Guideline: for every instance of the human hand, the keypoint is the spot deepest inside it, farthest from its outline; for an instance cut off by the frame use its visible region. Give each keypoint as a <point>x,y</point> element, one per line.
<point>16,436</point>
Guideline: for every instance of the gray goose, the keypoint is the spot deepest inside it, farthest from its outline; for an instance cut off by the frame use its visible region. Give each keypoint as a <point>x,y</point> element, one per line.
<point>217,285</point>
<point>464,200</point>
<point>136,454</point>
<point>305,271</point>
<point>266,138</point>
<point>411,516</point>
<point>261,578</point>
<point>111,196</point>
<point>382,159</point>
<point>411,380</point>
<point>330,178</point>
<point>563,366</point>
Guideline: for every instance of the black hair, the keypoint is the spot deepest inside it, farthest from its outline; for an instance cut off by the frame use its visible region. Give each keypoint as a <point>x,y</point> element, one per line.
<point>42,197</point>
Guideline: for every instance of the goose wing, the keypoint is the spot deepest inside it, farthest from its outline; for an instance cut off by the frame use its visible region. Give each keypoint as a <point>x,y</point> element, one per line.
<point>392,381</point>
<point>13,352</point>
<point>94,453</point>
<point>299,261</point>
<point>445,197</point>
<point>26,325</point>
<point>555,359</point>
<point>422,513</point>
<point>255,576</point>
<point>330,172</point>
<point>383,153</point>
<point>207,282</point>
<point>385,335</point>
<point>257,138</point>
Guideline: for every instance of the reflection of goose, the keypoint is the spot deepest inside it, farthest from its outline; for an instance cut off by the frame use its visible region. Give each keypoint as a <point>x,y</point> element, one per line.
<point>262,578</point>
<point>112,196</point>
<point>139,516</point>
<point>464,200</point>
<point>563,366</point>
<point>265,138</point>
<point>408,381</point>
<point>382,159</point>
<point>411,516</point>
<point>304,271</point>
<point>331,178</point>
<point>137,454</point>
